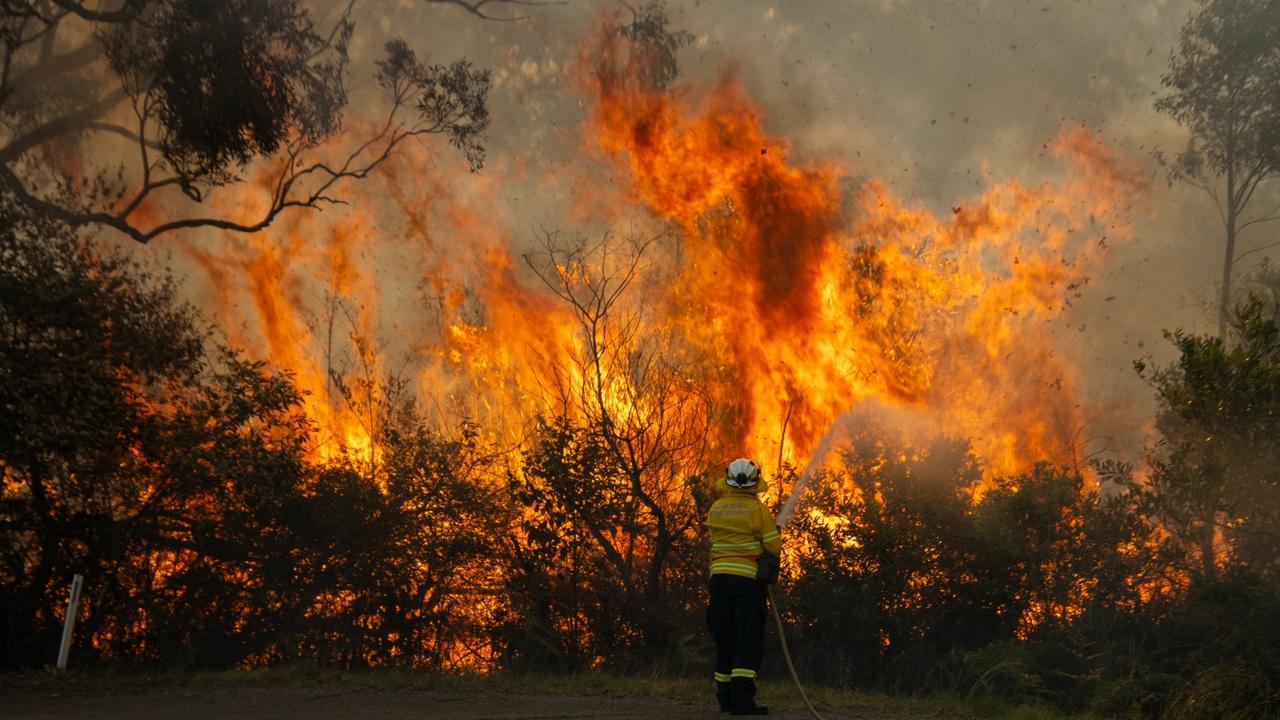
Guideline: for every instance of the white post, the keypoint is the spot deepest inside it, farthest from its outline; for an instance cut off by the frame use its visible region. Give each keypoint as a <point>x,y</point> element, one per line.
<point>69,623</point>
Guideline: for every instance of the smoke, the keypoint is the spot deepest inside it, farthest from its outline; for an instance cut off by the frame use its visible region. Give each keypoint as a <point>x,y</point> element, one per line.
<point>935,101</point>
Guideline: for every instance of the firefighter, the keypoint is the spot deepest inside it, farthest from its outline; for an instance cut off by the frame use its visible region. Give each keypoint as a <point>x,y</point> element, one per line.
<point>745,545</point>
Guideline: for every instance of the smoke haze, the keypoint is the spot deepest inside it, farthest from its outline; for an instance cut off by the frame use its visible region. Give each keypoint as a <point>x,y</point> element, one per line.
<point>938,101</point>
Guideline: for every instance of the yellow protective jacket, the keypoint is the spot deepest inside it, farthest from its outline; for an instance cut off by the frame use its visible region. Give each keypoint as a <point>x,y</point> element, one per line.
<point>741,528</point>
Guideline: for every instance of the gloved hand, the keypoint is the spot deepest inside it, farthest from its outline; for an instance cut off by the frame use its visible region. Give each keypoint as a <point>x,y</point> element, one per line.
<point>767,567</point>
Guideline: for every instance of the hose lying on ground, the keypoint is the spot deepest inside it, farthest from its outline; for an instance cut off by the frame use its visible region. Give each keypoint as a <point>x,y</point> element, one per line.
<point>786,654</point>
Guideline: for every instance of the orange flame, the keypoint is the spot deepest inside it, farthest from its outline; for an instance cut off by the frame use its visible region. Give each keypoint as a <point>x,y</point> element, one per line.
<point>818,299</point>
<point>788,295</point>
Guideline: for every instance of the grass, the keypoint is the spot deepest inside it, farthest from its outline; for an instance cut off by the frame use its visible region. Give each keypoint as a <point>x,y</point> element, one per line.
<point>845,702</point>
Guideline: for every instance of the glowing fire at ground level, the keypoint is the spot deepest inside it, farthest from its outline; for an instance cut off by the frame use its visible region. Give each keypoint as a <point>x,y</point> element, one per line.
<point>506,441</point>
<point>760,302</point>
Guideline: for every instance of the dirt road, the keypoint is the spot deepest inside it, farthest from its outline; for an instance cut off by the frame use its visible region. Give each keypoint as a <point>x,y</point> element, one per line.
<point>205,701</point>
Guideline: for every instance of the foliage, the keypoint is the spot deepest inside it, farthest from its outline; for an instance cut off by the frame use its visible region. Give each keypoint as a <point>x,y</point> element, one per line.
<point>570,579</point>
<point>393,566</point>
<point>1212,477</point>
<point>640,55</point>
<point>178,479</point>
<point>1222,83</point>
<point>653,56</point>
<point>89,344</point>
<point>910,586</point>
<point>194,584</point>
<point>1262,287</point>
<point>229,81</point>
<point>186,95</point>
<point>580,562</point>
<point>451,100</point>
<point>1224,87</point>
<point>1233,668</point>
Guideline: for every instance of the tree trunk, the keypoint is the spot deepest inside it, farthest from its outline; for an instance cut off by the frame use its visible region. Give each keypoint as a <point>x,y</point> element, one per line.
<point>1228,259</point>
<point>658,616</point>
<point>1224,302</point>
<point>32,598</point>
<point>1208,553</point>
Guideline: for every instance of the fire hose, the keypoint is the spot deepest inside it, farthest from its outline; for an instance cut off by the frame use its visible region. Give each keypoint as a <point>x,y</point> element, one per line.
<point>787,510</point>
<point>786,654</point>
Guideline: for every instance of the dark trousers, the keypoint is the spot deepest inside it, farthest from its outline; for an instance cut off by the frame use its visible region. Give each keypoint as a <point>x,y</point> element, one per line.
<point>736,619</point>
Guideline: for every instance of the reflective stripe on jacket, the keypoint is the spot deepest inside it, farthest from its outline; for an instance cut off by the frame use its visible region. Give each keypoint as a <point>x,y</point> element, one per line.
<point>741,528</point>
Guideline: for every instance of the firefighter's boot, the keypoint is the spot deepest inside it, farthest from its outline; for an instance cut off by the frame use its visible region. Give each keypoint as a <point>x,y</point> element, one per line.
<point>724,696</point>
<point>742,698</point>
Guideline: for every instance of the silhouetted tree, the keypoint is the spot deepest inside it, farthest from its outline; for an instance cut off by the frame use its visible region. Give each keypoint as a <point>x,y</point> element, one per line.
<point>1213,479</point>
<point>89,344</point>
<point>652,59</point>
<point>573,562</point>
<point>399,568</point>
<point>180,480</point>
<point>632,396</point>
<point>640,55</point>
<point>910,584</point>
<point>1224,87</point>
<point>134,455</point>
<point>199,89</point>
<point>201,575</point>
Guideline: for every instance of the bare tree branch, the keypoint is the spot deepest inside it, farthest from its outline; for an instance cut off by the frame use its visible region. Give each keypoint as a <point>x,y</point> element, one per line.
<point>58,65</point>
<point>1256,250</point>
<point>449,100</point>
<point>477,7</point>
<point>1269,216</point>
<point>127,11</point>
<point>123,132</point>
<point>71,122</point>
<point>647,416</point>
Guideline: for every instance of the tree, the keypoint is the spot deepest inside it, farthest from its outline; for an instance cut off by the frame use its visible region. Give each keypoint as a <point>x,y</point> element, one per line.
<point>397,568</point>
<point>652,59</point>
<point>192,562</point>
<point>647,422</point>
<point>198,90</point>
<point>86,341</point>
<point>178,478</point>
<point>572,577</point>
<point>1213,482</point>
<point>1224,87</point>
<point>909,584</point>
<point>129,450</point>
<point>639,56</point>
<point>1262,286</point>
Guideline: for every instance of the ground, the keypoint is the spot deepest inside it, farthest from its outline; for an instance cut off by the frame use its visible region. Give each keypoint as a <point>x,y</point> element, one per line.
<point>203,699</point>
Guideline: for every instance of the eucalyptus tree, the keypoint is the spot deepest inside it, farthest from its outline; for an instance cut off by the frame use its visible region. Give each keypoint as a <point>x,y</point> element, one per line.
<point>193,93</point>
<point>1223,85</point>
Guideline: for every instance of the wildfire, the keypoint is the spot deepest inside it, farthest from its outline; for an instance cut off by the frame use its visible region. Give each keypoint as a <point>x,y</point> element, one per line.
<point>772,289</point>
<point>274,273</point>
<point>817,299</point>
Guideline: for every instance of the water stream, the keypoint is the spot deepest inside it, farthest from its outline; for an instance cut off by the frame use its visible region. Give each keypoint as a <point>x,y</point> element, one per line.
<point>868,415</point>
<point>815,462</point>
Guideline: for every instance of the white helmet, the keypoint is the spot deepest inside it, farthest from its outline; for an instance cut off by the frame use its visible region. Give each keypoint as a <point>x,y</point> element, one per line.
<point>742,474</point>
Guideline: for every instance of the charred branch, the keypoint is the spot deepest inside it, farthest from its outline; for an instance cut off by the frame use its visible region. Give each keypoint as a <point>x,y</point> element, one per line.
<point>478,7</point>
<point>191,148</point>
